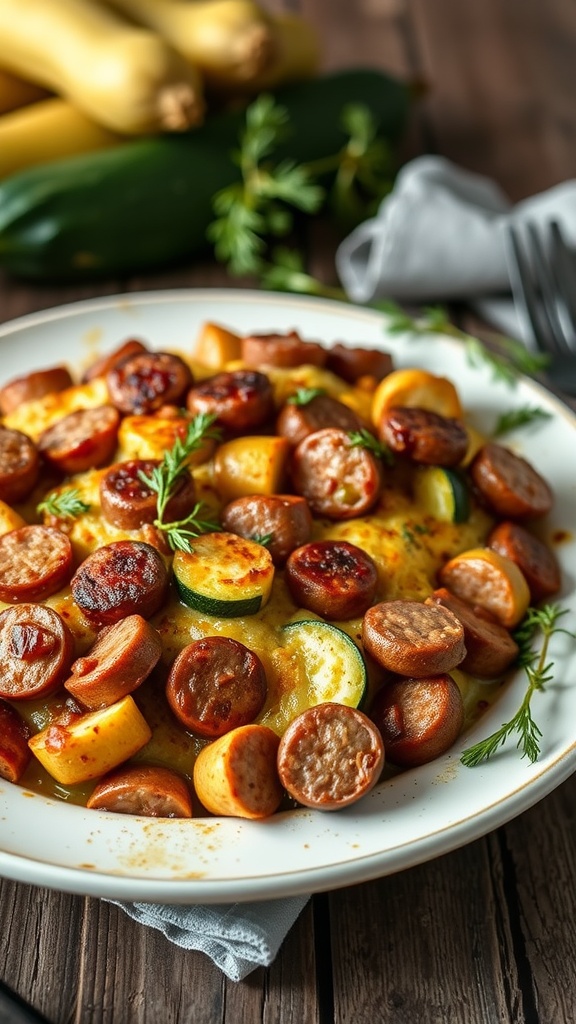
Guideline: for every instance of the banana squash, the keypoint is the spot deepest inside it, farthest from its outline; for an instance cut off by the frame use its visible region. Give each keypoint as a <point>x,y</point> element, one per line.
<point>147,203</point>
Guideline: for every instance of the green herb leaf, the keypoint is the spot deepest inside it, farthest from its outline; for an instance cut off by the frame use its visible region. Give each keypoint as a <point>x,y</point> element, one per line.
<point>364,439</point>
<point>520,417</point>
<point>304,395</point>
<point>65,504</point>
<point>539,673</point>
<point>263,538</point>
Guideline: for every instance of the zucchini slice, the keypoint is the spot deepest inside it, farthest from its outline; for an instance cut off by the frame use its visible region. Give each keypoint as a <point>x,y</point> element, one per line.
<point>317,662</point>
<point>224,575</point>
<point>442,493</point>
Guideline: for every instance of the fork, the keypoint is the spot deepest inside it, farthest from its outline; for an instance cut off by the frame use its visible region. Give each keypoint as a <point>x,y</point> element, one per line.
<point>543,277</point>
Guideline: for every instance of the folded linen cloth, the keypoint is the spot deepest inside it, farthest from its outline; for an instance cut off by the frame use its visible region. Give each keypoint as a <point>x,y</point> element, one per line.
<point>439,236</point>
<point>238,937</point>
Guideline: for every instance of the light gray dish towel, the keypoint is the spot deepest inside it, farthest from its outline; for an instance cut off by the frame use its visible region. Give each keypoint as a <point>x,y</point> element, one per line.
<point>238,937</point>
<point>439,236</point>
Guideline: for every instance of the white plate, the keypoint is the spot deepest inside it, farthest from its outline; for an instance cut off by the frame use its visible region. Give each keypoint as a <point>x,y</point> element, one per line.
<point>418,815</point>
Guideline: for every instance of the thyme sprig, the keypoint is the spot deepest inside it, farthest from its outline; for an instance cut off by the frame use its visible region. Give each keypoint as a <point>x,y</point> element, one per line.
<point>261,207</point>
<point>165,478</point>
<point>538,671</point>
<point>506,357</point>
<point>521,417</point>
<point>65,504</point>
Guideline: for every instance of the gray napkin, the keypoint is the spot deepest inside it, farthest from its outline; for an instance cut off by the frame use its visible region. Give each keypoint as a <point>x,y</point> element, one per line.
<point>439,236</point>
<point>238,937</point>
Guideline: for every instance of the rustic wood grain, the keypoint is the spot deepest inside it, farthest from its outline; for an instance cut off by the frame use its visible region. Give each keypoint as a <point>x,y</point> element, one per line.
<point>486,934</point>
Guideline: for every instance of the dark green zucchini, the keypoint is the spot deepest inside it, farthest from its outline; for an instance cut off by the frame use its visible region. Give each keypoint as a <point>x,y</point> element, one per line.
<point>148,203</point>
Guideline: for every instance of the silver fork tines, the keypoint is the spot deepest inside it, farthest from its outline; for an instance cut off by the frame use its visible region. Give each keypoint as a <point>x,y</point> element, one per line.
<point>543,278</point>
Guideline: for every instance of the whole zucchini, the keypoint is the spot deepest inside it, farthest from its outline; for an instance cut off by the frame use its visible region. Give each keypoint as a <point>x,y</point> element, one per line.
<point>148,203</point>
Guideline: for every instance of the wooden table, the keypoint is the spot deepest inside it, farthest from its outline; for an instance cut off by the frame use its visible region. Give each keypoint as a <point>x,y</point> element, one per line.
<point>486,933</point>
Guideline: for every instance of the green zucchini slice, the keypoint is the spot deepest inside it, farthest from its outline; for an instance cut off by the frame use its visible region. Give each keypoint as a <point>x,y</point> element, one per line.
<point>320,663</point>
<point>442,493</point>
<point>224,575</point>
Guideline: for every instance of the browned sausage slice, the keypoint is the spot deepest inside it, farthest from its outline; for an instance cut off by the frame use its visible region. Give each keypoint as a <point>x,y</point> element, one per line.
<point>19,465</point>
<point>284,519</point>
<point>423,436</point>
<point>241,400</point>
<point>351,364</point>
<point>490,649</point>
<point>338,479</point>
<point>145,382</point>
<point>330,756</point>
<point>35,562</point>
<point>102,366</point>
<point>14,750</point>
<point>122,656</point>
<point>36,648</point>
<point>33,385</point>
<point>216,684</point>
<point>297,420</point>
<point>533,557</point>
<point>120,579</point>
<point>127,502</point>
<point>510,486</point>
<point>83,440</point>
<point>413,639</point>
<point>419,719</point>
<point>333,578</point>
<point>149,790</point>
<point>281,350</point>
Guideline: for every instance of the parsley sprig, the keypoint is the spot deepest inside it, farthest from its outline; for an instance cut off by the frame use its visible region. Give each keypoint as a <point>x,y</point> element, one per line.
<point>165,478</point>
<point>65,504</point>
<point>538,670</point>
<point>302,396</point>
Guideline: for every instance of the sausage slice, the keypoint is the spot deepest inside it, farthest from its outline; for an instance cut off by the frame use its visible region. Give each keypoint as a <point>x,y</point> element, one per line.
<point>296,420</point>
<point>413,639</point>
<point>216,684</point>
<point>149,790</point>
<point>490,649</point>
<point>102,366</point>
<point>35,562</point>
<point>15,753</point>
<point>352,363</point>
<point>240,400</point>
<point>236,775</point>
<point>83,440</point>
<point>536,561</point>
<point>127,502</point>
<point>19,465</point>
<point>36,648</point>
<point>144,382</point>
<point>120,579</point>
<point>330,756</point>
<point>419,719</point>
<point>33,385</point>
<point>509,485</point>
<point>339,480</point>
<point>122,656</point>
<point>333,578</point>
<point>423,436</point>
<point>281,350</point>
<point>284,519</point>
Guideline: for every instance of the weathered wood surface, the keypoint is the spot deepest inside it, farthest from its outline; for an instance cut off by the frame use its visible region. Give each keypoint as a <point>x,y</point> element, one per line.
<point>485,934</point>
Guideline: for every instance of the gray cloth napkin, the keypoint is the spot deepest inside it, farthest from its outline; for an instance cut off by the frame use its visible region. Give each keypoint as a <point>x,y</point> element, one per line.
<point>238,937</point>
<point>439,236</point>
